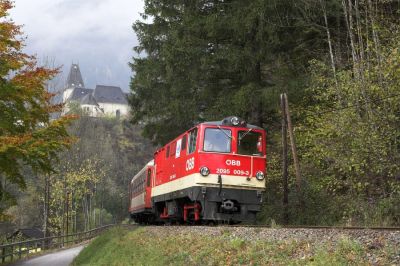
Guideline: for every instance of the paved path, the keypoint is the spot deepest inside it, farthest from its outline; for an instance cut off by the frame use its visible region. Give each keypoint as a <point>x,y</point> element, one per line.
<point>59,258</point>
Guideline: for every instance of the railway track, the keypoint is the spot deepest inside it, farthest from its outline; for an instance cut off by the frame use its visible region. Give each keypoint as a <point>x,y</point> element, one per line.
<point>318,227</point>
<point>288,227</point>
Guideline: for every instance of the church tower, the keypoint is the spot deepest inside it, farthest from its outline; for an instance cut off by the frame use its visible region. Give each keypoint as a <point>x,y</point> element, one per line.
<point>74,80</point>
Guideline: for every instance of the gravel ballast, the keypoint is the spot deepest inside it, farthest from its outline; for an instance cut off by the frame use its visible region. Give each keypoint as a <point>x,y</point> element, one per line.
<point>370,239</point>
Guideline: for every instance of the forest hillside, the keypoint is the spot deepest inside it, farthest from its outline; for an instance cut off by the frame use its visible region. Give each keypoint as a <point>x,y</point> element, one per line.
<point>339,63</point>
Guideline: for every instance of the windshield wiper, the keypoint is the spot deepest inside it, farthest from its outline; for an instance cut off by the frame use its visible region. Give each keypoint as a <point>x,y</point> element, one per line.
<point>245,134</point>
<point>223,131</point>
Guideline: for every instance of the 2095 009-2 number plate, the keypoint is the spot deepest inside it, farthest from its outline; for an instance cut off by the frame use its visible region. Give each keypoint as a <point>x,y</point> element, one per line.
<point>235,172</point>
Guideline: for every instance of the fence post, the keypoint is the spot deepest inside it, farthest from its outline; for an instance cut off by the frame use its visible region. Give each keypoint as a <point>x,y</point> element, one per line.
<point>3,254</point>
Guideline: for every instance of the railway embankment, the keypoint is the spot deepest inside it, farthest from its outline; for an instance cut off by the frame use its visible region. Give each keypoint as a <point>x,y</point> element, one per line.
<point>203,245</point>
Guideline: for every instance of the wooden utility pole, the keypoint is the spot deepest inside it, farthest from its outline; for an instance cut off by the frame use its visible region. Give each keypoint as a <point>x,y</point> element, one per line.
<point>284,162</point>
<point>293,145</point>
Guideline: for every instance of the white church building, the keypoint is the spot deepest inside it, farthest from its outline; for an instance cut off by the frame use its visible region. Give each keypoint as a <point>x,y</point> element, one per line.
<point>102,101</point>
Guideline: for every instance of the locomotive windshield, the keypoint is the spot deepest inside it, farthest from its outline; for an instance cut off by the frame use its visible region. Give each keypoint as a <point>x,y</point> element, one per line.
<point>217,140</point>
<point>249,143</point>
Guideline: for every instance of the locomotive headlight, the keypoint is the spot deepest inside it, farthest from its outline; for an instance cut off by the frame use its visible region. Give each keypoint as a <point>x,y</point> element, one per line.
<point>235,121</point>
<point>204,171</point>
<point>260,175</point>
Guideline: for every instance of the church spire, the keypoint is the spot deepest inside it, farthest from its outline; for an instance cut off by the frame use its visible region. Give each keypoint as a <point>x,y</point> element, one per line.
<point>74,79</point>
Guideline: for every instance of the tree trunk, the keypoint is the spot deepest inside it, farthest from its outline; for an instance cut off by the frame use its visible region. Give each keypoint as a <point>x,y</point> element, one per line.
<point>84,207</point>
<point>46,204</point>
<point>328,34</point>
<point>360,38</point>
<point>375,38</point>
<point>347,9</point>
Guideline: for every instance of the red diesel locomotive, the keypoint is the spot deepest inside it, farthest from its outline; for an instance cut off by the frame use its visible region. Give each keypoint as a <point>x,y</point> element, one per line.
<point>214,172</point>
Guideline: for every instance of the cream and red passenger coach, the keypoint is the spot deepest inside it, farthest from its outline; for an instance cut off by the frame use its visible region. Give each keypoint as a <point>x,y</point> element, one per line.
<point>213,172</point>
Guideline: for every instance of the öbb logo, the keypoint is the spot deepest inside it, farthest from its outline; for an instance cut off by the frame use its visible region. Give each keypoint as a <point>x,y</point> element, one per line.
<point>190,164</point>
<point>232,162</point>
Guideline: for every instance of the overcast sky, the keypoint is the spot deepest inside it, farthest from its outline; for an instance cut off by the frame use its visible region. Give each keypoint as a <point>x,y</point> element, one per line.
<point>97,34</point>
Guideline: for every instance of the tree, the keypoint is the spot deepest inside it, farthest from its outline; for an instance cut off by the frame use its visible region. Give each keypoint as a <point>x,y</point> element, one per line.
<point>27,135</point>
<point>208,59</point>
<point>72,190</point>
<point>351,146</point>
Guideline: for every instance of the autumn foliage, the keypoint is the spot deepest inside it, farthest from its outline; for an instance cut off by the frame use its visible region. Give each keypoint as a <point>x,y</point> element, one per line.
<point>28,137</point>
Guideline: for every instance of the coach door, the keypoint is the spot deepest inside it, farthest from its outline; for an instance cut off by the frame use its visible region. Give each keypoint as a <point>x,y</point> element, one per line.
<point>149,181</point>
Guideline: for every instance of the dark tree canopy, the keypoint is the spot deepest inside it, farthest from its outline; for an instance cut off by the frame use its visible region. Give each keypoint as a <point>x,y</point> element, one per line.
<point>203,60</point>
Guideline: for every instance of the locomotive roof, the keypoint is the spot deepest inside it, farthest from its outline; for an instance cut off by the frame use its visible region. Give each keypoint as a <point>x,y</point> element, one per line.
<point>220,123</point>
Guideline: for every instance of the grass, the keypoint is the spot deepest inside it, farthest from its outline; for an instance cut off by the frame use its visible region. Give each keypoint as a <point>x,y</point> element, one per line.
<point>144,247</point>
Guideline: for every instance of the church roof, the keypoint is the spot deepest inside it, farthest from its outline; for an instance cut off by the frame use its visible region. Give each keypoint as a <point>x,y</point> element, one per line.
<point>74,77</point>
<point>109,94</point>
<point>78,93</point>
<point>89,99</point>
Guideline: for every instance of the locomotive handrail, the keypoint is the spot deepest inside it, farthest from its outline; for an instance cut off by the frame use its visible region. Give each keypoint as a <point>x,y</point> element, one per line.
<point>24,247</point>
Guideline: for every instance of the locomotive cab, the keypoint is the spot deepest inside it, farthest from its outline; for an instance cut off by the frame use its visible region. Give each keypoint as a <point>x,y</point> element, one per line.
<point>232,161</point>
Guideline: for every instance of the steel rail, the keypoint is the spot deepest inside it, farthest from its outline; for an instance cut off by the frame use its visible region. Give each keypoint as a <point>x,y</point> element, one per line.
<point>317,227</point>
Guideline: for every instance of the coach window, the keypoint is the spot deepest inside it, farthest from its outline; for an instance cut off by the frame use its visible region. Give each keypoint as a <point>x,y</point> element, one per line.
<point>192,140</point>
<point>250,143</point>
<point>217,140</point>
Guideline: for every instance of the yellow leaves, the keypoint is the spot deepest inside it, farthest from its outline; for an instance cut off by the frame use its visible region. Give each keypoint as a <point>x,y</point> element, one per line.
<point>81,179</point>
<point>74,183</point>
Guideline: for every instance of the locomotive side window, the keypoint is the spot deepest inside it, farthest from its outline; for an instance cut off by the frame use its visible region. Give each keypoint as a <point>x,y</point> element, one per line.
<point>217,140</point>
<point>173,149</point>
<point>167,154</point>
<point>183,143</point>
<point>250,143</point>
<point>192,141</point>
